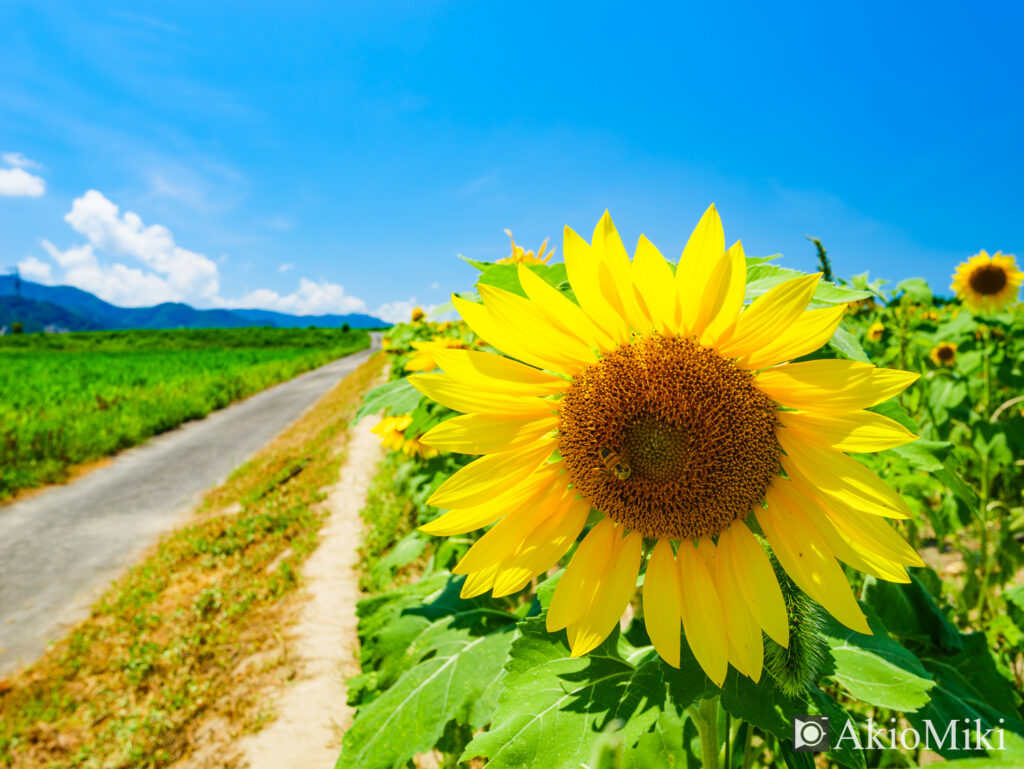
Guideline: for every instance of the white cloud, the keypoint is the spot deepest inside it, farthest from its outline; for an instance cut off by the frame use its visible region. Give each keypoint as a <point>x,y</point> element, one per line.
<point>435,286</point>
<point>36,270</point>
<point>311,298</point>
<point>19,183</point>
<point>17,160</point>
<point>187,273</point>
<point>170,273</point>
<point>114,283</point>
<point>400,312</point>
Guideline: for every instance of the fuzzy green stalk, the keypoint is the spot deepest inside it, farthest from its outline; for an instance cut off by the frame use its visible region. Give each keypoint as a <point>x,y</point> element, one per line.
<point>705,717</point>
<point>983,489</point>
<point>795,668</point>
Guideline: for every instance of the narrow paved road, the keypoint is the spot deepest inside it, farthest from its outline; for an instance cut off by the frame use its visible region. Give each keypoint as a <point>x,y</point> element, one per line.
<point>60,548</point>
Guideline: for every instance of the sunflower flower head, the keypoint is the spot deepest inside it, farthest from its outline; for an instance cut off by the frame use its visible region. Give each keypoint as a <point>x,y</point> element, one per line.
<point>521,256</point>
<point>662,409</point>
<point>391,431</point>
<point>423,357</point>
<point>417,314</point>
<point>943,354</point>
<point>876,332</point>
<point>987,283</point>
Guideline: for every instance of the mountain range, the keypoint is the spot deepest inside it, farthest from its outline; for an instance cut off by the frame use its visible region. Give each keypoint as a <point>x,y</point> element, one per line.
<point>40,307</point>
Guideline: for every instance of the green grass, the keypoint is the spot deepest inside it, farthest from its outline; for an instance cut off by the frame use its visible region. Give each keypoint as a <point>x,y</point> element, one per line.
<point>194,631</point>
<point>74,398</point>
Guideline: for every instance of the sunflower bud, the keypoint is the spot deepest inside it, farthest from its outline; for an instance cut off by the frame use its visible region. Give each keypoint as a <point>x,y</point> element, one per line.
<point>796,668</point>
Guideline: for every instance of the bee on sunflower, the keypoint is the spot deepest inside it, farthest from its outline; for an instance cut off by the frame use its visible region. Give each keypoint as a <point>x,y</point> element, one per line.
<point>987,283</point>
<point>943,354</point>
<point>664,411</point>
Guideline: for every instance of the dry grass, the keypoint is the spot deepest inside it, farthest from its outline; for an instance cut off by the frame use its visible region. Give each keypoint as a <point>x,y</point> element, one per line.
<point>191,638</point>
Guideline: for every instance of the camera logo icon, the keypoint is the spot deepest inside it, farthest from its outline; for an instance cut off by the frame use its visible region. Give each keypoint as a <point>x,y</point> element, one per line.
<point>810,733</point>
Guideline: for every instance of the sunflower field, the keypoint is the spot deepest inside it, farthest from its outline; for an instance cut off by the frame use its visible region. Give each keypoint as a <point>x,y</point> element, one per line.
<point>715,513</point>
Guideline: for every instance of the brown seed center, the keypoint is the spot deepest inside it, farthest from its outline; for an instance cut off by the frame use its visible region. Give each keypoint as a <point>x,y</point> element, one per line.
<point>667,437</point>
<point>945,352</point>
<point>988,279</point>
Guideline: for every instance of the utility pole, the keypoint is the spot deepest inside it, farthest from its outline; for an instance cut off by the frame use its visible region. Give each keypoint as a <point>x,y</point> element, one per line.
<point>17,294</point>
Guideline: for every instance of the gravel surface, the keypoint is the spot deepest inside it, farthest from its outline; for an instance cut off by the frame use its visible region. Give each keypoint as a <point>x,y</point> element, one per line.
<point>60,548</point>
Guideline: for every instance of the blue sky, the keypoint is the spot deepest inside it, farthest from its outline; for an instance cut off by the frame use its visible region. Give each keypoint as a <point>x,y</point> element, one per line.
<point>337,156</point>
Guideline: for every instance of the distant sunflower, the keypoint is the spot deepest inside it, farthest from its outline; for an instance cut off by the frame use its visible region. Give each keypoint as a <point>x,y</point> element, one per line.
<point>391,431</point>
<point>522,256</point>
<point>659,402</point>
<point>417,315</point>
<point>986,282</point>
<point>943,354</point>
<point>876,332</point>
<point>423,359</point>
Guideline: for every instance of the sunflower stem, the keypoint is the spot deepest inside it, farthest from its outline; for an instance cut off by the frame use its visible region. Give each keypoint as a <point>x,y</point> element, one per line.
<point>705,717</point>
<point>748,747</point>
<point>983,490</point>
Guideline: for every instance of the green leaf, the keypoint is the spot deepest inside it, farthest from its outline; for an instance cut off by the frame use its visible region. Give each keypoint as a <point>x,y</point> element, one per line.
<point>846,344</point>
<point>405,551</point>
<point>925,455</point>
<point>761,278</point>
<point>916,289</point>
<point>664,746</point>
<point>553,707</point>
<point>506,276</point>
<point>908,610</point>
<point>398,397</point>
<point>875,669</point>
<point>458,658</point>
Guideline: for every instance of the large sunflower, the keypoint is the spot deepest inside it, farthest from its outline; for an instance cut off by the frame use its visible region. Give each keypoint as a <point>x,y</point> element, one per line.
<point>986,282</point>
<point>658,405</point>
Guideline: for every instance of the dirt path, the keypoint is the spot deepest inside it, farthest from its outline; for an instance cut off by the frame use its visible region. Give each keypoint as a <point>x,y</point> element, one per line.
<point>311,714</point>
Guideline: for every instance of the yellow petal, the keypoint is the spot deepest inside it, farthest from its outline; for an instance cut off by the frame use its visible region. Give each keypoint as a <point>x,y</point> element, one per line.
<point>486,478</point>
<point>864,531</point>
<point>662,602</point>
<point>616,279</point>
<point>858,431</point>
<point>471,518</point>
<point>497,374</point>
<point>836,475</point>
<point>478,583</point>
<point>544,547</point>
<point>703,252</point>
<point>832,386</point>
<point>500,542</point>
<point>729,283</point>
<point>655,287</point>
<point>582,266</point>
<point>487,434</point>
<point>562,311</point>
<point>532,331</point>
<point>756,579</point>
<point>702,615</point>
<point>808,561</point>
<point>805,335</point>
<point>768,316</point>
<point>617,583</point>
<point>483,325</point>
<point>847,551</point>
<point>456,395</point>
<point>744,633</point>
<point>581,578</point>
